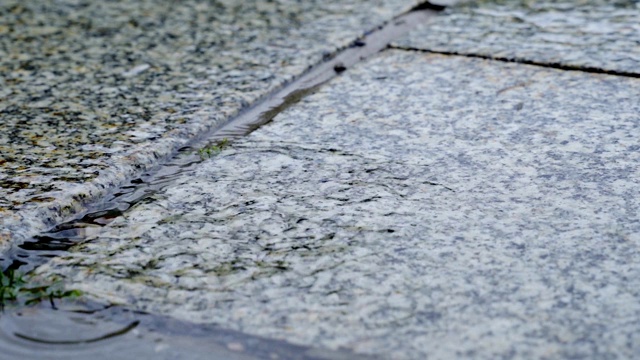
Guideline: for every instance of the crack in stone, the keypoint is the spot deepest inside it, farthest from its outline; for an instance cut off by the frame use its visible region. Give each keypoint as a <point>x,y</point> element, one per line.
<point>550,65</point>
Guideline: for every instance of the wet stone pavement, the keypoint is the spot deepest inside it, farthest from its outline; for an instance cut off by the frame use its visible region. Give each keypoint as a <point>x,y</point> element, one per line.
<point>422,205</point>
<point>597,35</point>
<point>92,93</point>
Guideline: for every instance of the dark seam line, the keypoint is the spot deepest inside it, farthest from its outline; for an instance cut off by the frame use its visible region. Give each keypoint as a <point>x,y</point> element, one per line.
<point>122,331</point>
<point>427,5</point>
<point>586,69</point>
<point>260,112</point>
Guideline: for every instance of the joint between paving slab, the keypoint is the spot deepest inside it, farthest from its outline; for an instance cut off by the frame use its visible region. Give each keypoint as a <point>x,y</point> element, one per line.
<point>268,107</point>
<point>586,69</point>
<point>261,112</point>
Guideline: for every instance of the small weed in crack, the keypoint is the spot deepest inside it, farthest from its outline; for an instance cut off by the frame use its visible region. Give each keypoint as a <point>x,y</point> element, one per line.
<point>17,290</point>
<point>212,150</point>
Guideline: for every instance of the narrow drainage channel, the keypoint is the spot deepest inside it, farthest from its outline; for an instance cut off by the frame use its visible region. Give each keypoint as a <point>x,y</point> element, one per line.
<point>30,254</point>
<point>80,330</point>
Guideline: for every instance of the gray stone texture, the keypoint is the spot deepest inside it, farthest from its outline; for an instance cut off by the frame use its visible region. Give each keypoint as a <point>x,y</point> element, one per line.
<point>92,92</point>
<point>590,34</point>
<point>418,207</point>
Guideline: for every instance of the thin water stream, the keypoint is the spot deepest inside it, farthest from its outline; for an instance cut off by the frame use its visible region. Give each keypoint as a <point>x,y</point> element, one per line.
<point>59,239</point>
<point>81,330</point>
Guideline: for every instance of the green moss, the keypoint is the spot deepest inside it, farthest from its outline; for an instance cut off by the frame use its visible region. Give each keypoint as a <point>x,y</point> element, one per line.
<point>18,290</point>
<point>213,149</point>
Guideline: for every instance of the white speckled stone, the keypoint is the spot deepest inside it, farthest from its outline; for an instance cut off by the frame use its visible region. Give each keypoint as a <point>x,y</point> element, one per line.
<point>420,206</point>
<point>596,34</point>
<point>93,92</point>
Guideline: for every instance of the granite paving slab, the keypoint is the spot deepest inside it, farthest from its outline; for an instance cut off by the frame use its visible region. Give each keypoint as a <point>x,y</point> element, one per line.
<point>588,34</point>
<point>419,206</point>
<point>93,92</point>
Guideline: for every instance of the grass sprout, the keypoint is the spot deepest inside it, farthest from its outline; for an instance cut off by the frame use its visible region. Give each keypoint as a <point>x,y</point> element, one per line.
<point>213,149</point>
<point>15,289</point>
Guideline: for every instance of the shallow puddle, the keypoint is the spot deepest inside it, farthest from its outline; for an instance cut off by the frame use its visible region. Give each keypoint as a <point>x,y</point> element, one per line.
<point>92,331</point>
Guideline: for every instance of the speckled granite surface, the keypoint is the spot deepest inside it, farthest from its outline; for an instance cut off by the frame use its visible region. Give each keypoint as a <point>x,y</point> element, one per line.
<point>599,34</point>
<point>420,206</point>
<point>93,91</point>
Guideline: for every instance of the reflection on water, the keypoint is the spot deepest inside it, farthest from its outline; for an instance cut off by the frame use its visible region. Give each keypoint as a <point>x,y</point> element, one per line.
<point>59,239</point>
